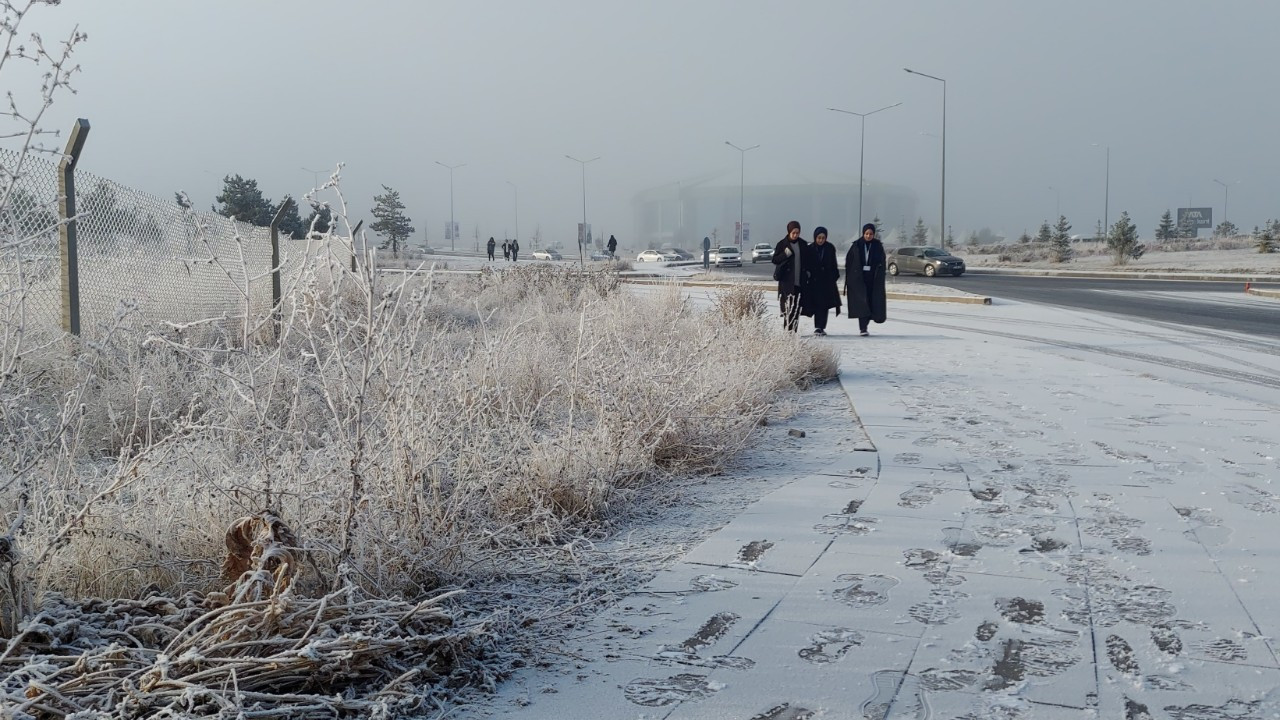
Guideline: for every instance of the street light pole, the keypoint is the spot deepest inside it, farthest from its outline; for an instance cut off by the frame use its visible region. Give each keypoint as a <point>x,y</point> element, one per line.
<point>1225,196</point>
<point>943,228</point>
<point>742,188</point>
<point>1106,200</point>
<point>862,146</point>
<point>315,177</point>
<point>515,204</point>
<point>453,231</point>
<point>582,238</point>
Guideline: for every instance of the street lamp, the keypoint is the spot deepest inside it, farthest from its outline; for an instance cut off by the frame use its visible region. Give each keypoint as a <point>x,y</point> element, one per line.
<point>453,227</point>
<point>742,188</point>
<point>862,149</point>
<point>1226,187</point>
<point>582,237</point>
<point>515,205</point>
<point>315,177</point>
<point>1106,201</point>
<point>942,228</point>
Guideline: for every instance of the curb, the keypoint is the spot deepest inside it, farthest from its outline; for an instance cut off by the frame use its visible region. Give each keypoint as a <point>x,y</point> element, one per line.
<point>1260,292</point>
<point>1122,275</point>
<point>658,280</point>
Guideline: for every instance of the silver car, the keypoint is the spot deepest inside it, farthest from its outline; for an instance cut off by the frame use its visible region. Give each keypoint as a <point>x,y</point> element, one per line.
<point>762,252</point>
<point>921,260</point>
<point>726,256</point>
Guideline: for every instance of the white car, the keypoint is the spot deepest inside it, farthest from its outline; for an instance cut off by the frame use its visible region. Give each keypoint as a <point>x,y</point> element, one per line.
<point>546,255</point>
<point>762,251</point>
<point>655,256</point>
<point>726,256</point>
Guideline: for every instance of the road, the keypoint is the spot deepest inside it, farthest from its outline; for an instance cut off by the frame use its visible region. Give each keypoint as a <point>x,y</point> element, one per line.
<point>1220,306</point>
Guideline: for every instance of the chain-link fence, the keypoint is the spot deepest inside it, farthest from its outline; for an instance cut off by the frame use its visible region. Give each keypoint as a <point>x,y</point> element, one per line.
<point>132,251</point>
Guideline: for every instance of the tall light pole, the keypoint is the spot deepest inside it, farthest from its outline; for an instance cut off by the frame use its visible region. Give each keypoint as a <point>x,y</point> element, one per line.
<point>315,177</point>
<point>1226,187</point>
<point>582,238</point>
<point>862,146</point>
<point>943,228</point>
<point>742,187</point>
<point>1106,200</point>
<point>515,205</point>
<point>453,226</point>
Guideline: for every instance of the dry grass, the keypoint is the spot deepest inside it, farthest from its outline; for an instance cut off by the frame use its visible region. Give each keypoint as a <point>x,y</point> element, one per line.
<point>417,436</point>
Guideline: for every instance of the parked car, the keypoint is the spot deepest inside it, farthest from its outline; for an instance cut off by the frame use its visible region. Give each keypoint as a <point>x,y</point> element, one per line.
<point>547,254</point>
<point>655,256</point>
<point>601,255</point>
<point>761,252</point>
<point>927,261</point>
<point>726,256</point>
<point>680,254</point>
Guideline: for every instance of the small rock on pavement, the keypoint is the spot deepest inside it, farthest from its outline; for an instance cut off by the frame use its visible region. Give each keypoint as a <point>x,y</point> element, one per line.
<point>795,433</point>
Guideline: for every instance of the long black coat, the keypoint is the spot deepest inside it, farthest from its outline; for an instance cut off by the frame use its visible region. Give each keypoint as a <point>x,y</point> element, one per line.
<point>865,290</point>
<point>822,273</point>
<point>787,285</point>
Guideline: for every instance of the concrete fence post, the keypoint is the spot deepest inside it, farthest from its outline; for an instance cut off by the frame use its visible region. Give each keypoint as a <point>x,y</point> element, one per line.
<point>67,249</point>
<point>275,261</point>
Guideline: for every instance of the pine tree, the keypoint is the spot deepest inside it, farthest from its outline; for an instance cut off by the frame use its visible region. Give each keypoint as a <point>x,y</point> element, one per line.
<point>1123,240</point>
<point>1166,230</point>
<point>1225,229</point>
<point>1098,233</point>
<point>972,240</point>
<point>1024,238</point>
<point>921,234</point>
<point>950,240</point>
<point>1060,245</point>
<point>242,200</point>
<point>1045,235</point>
<point>1187,228</point>
<point>392,224</point>
<point>183,201</point>
<point>1265,240</point>
<point>320,219</point>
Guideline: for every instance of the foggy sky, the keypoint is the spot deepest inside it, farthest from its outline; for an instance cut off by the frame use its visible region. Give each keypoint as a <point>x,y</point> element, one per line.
<point>180,94</point>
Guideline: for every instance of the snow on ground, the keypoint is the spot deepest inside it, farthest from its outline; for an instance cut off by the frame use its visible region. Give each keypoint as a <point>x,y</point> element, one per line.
<point>1005,511</point>
<point>1247,260</point>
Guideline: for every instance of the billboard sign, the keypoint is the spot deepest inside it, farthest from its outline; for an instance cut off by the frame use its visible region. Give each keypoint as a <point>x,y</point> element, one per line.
<point>1200,218</point>
<point>451,231</point>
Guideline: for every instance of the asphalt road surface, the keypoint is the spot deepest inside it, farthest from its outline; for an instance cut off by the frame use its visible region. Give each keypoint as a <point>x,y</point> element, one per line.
<point>1197,304</point>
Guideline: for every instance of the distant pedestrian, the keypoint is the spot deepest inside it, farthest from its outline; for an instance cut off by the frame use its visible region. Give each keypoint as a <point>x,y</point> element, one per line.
<point>613,246</point>
<point>820,293</point>
<point>506,249</point>
<point>864,279</point>
<point>706,253</point>
<point>788,266</point>
<point>490,246</point>
<point>515,250</point>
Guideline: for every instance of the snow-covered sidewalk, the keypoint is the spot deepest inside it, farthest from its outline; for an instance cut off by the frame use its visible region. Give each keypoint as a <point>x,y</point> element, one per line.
<point>1003,511</point>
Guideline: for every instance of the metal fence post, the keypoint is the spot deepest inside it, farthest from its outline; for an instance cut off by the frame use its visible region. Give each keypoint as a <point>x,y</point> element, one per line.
<point>68,251</point>
<point>275,261</point>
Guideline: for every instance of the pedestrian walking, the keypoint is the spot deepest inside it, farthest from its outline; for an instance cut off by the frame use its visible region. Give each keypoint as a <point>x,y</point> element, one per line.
<point>491,245</point>
<point>506,249</point>
<point>788,266</point>
<point>821,292</point>
<point>613,246</point>
<point>864,279</point>
<point>515,250</point>
<point>706,253</point>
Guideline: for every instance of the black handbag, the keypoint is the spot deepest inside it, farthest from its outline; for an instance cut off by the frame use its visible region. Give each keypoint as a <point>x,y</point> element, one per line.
<point>779,270</point>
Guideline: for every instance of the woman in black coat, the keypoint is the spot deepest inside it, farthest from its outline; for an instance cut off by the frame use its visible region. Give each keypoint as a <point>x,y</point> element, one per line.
<point>821,292</point>
<point>788,260</point>
<point>864,279</point>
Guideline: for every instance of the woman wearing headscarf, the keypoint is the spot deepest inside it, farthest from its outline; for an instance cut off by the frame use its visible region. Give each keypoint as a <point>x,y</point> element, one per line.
<point>788,270</point>
<point>821,293</point>
<point>864,279</point>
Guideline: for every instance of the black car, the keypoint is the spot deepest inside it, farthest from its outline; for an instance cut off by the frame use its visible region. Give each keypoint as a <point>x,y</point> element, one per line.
<point>928,261</point>
<point>682,254</point>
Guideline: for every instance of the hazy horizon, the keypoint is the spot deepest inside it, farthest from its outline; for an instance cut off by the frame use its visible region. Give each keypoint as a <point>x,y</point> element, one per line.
<point>180,95</point>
